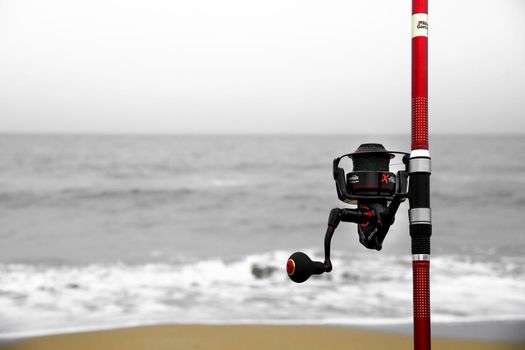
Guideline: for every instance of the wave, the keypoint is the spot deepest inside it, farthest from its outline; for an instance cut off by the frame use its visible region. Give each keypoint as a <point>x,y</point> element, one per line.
<point>57,193</point>
<point>76,195</point>
<point>362,289</point>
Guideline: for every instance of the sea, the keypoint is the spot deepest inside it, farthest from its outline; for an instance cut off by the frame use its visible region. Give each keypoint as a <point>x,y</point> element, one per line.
<point>103,231</point>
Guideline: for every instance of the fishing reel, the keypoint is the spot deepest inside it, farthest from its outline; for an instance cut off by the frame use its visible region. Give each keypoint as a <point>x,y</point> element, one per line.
<point>374,189</point>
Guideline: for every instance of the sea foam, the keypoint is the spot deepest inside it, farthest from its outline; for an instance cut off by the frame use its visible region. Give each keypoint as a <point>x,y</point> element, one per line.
<point>362,289</point>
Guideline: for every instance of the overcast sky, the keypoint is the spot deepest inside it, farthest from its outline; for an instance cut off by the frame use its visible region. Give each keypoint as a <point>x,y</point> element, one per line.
<point>242,66</point>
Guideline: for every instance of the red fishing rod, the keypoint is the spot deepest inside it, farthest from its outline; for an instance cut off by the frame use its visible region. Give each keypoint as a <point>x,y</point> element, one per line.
<point>419,168</point>
<point>377,192</point>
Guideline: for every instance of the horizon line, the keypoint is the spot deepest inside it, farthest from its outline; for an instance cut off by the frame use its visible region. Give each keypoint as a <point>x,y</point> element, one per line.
<point>128,133</point>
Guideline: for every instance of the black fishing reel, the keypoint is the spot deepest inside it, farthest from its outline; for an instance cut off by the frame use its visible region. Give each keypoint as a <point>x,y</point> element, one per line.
<point>375,190</point>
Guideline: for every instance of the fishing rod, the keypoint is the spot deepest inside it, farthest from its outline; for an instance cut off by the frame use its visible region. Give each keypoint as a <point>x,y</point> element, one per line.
<point>377,192</point>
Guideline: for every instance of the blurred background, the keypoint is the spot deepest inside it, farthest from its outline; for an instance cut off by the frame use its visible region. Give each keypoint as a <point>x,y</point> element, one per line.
<point>160,160</point>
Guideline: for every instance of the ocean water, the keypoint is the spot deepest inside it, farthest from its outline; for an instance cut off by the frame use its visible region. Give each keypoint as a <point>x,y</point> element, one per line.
<point>102,231</point>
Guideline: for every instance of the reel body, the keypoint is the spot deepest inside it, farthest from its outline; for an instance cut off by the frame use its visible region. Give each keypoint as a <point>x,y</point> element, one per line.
<point>375,190</point>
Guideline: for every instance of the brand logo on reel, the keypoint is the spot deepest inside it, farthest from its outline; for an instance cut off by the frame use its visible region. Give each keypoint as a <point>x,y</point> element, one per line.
<point>422,25</point>
<point>386,178</point>
<point>353,179</point>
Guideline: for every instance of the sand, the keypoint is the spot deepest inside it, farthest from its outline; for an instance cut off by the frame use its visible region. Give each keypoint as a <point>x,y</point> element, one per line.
<point>241,337</point>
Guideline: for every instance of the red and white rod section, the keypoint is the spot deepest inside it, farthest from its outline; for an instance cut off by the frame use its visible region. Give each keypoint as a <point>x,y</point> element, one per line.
<point>420,75</point>
<point>419,169</point>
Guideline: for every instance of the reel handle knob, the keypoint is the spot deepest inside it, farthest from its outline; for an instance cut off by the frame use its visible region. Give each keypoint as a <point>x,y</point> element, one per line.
<point>300,267</point>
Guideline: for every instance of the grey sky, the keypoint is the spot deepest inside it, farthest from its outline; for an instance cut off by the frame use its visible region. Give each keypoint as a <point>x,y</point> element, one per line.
<point>236,66</point>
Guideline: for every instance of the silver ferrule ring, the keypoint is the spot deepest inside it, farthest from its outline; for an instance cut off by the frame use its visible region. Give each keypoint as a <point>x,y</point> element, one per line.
<point>419,257</point>
<point>419,165</point>
<point>419,216</point>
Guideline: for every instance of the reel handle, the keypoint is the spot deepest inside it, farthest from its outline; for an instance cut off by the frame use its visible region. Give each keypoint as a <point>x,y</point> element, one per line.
<point>300,267</point>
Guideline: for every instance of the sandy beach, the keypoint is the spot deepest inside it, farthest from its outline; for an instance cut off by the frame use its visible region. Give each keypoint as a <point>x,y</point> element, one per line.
<point>241,337</point>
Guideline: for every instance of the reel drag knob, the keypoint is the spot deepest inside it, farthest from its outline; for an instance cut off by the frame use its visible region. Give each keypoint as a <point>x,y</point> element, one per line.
<point>300,267</point>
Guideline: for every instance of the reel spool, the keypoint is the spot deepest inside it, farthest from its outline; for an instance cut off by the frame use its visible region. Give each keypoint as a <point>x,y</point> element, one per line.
<point>370,179</point>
